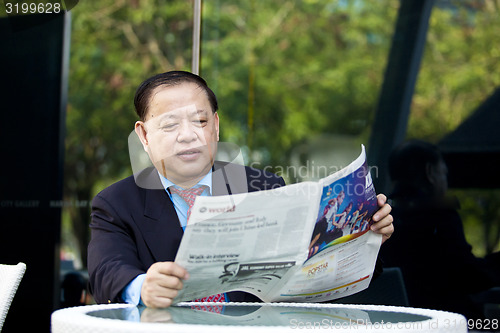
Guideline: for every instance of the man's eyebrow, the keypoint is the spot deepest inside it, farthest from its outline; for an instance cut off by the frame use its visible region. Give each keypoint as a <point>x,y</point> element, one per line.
<point>167,115</point>
<point>200,112</point>
<point>176,115</point>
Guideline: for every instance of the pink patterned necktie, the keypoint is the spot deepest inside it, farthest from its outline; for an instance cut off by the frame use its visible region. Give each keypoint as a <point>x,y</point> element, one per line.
<point>189,197</point>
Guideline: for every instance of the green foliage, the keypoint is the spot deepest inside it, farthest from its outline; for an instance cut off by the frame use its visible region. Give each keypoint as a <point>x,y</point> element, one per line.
<point>115,46</point>
<point>283,70</point>
<point>481,217</point>
<point>459,70</point>
<point>286,70</point>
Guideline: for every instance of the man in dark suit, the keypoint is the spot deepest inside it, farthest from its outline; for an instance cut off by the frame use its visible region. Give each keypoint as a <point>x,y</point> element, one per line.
<point>137,224</point>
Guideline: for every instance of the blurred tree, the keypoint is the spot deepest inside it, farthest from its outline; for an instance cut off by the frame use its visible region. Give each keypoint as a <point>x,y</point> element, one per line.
<point>115,46</point>
<point>481,212</point>
<point>283,71</point>
<point>286,70</point>
<point>460,66</point>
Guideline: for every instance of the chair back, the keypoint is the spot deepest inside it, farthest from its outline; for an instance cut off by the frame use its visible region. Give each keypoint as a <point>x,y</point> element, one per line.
<point>10,277</point>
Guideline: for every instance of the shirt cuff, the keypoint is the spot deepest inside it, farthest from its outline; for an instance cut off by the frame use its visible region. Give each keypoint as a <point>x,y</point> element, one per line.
<point>132,292</point>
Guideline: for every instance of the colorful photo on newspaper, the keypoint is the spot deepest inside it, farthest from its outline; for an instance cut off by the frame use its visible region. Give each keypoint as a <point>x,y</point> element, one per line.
<point>346,208</point>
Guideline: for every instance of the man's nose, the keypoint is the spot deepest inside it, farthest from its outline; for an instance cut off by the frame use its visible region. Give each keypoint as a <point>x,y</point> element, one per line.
<point>187,132</point>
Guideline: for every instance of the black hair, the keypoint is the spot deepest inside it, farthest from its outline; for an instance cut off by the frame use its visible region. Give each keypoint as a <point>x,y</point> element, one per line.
<point>143,94</point>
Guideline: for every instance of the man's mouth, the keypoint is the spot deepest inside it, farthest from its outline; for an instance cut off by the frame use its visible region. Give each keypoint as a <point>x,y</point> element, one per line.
<point>189,154</point>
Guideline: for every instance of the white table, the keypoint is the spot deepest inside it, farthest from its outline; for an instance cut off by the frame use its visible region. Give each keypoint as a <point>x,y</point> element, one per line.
<point>252,317</point>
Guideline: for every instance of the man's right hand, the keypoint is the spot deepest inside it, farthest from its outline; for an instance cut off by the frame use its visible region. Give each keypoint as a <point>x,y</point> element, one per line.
<point>162,283</point>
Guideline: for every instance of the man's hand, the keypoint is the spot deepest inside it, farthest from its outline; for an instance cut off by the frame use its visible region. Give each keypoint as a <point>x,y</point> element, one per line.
<point>162,283</point>
<point>383,219</point>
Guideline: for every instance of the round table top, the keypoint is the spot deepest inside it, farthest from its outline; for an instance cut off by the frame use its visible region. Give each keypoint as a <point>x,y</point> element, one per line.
<point>251,317</point>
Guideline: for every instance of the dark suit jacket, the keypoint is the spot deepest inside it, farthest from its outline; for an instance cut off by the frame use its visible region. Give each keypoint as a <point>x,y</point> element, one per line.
<point>134,224</point>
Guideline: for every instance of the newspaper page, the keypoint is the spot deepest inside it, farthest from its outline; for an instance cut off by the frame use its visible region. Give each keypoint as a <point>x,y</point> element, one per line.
<point>343,251</point>
<point>249,242</point>
<point>305,242</point>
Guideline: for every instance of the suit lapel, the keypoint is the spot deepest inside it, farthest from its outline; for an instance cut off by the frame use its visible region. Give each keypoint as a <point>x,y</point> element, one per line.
<point>159,224</point>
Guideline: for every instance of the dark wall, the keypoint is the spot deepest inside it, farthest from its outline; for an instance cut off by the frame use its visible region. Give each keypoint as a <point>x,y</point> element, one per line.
<point>33,73</point>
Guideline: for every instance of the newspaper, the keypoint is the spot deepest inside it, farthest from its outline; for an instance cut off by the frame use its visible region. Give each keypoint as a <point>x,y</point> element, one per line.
<point>306,242</point>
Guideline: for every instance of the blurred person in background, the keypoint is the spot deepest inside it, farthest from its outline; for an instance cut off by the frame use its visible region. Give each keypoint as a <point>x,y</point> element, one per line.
<point>439,269</point>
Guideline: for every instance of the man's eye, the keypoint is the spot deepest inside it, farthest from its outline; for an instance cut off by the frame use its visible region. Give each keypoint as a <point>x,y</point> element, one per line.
<point>200,122</point>
<point>168,127</point>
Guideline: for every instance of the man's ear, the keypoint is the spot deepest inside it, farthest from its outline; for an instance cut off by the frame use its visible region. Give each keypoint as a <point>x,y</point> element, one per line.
<point>216,116</point>
<point>140,130</point>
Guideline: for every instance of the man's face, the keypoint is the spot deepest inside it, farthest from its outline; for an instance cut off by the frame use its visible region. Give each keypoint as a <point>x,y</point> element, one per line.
<point>180,133</point>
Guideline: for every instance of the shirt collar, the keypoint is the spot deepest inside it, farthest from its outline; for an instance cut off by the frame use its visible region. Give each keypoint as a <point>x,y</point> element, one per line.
<point>207,181</point>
